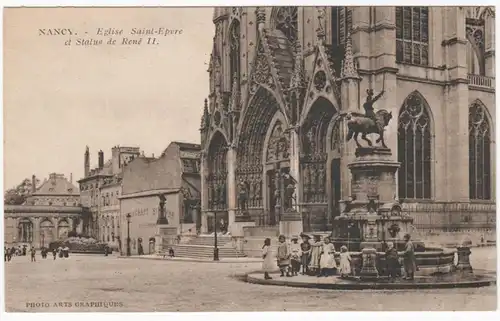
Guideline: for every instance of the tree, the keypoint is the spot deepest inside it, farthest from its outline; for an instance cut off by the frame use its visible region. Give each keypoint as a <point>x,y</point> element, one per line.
<point>18,195</point>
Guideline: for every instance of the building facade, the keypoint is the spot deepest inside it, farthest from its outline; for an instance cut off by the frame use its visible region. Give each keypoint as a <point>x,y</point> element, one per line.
<point>49,213</point>
<point>281,78</point>
<point>173,177</point>
<point>99,191</point>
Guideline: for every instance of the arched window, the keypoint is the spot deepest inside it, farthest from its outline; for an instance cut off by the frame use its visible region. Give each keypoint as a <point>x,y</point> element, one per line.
<point>414,149</point>
<point>341,24</point>
<point>475,32</point>
<point>479,153</point>
<point>286,20</point>
<point>234,53</point>
<point>412,35</point>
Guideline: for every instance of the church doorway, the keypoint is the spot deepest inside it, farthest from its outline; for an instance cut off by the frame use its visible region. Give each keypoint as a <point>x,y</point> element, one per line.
<point>275,192</point>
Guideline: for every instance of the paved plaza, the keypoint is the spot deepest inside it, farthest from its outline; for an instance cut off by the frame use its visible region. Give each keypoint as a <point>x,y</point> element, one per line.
<point>135,285</point>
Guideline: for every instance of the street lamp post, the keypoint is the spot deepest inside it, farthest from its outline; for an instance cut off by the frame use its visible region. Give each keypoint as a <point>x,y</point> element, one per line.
<point>216,249</point>
<point>128,234</point>
<point>43,239</point>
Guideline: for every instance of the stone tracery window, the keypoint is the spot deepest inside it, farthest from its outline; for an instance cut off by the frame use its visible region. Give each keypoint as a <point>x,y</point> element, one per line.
<point>414,149</point>
<point>475,32</point>
<point>286,20</point>
<point>412,35</point>
<point>479,153</point>
<point>234,53</point>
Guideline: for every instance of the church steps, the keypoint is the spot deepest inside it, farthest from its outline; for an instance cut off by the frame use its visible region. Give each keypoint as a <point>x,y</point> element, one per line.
<point>199,251</point>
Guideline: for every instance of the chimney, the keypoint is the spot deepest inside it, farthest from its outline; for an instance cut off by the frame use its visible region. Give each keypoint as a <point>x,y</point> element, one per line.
<point>33,184</point>
<point>86,165</point>
<point>101,159</point>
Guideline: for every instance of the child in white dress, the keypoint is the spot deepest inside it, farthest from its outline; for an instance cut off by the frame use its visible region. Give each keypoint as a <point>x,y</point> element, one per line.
<point>345,262</point>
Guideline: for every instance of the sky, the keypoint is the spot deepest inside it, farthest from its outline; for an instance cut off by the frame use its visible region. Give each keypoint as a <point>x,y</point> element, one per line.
<point>59,98</point>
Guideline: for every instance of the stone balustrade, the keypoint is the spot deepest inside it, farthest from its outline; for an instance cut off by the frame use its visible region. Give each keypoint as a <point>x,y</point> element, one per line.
<point>481,81</point>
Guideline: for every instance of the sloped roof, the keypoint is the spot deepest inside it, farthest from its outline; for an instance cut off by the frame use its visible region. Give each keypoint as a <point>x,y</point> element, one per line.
<point>57,184</point>
<point>282,54</point>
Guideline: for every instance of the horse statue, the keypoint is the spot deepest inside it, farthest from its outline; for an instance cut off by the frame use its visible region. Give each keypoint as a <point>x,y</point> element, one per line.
<point>358,123</point>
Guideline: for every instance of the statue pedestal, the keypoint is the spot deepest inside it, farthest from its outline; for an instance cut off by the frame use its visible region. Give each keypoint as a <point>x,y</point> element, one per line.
<point>373,214</point>
<point>463,263</point>
<point>165,235</point>
<point>369,270</point>
<point>291,223</point>
<point>241,220</point>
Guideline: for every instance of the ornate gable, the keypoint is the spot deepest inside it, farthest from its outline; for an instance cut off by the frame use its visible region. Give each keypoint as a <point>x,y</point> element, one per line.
<point>322,83</point>
<point>265,74</point>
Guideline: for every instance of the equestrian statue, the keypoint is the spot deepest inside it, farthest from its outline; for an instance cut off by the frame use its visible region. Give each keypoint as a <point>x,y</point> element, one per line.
<point>369,123</point>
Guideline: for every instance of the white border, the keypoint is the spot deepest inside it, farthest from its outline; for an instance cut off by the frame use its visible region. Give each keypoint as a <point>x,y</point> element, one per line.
<point>406,316</point>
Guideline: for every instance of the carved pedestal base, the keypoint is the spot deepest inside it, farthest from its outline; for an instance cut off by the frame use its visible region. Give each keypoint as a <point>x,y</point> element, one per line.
<point>291,224</point>
<point>463,264</point>
<point>158,244</point>
<point>166,235</point>
<point>369,270</point>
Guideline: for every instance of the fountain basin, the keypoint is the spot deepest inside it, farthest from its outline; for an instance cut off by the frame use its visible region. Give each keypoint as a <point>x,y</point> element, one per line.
<point>430,261</point>
<point>480,278</point>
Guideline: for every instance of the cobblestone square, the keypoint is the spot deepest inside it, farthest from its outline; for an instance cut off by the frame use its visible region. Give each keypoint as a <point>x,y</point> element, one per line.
<point>135,285</point>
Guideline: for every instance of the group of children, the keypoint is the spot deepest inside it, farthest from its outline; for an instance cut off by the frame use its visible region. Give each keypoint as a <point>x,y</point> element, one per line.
<point>311,258</point>
<point>318,258</point>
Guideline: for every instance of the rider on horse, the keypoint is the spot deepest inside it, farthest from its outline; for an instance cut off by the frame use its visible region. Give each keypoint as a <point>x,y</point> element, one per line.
<point>368,105</point>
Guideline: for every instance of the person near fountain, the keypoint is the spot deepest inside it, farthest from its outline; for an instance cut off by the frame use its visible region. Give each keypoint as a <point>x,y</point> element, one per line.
<point>305,251</point>
<point>295,252</point>
<point>267,264</point>
<point>409,261</point>
<point>315,255</point>
<point>327,262</point>
<point>392,261</point>
<point>283,256</point>
<point>345,262</point>
<point>54,253</point>
<point>33,253</point>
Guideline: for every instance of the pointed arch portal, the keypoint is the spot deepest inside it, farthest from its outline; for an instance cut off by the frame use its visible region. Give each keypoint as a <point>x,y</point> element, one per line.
<point>217,173</point>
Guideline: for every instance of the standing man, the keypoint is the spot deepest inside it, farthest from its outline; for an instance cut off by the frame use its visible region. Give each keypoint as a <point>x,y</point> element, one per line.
<point>33,253</point>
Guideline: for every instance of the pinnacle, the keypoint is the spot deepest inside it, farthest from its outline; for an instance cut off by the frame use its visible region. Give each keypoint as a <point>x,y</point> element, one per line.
<point>349,69</point>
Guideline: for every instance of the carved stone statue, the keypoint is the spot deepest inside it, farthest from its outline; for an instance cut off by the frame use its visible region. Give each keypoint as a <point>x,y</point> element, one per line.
<point>162,219</point>
<point>289,184</point>
<point>242,194</point>
<point>368,105</point>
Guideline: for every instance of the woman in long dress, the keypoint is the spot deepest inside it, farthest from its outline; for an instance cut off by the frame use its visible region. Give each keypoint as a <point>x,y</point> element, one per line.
<point>267,255</point>
<point>327,262</point>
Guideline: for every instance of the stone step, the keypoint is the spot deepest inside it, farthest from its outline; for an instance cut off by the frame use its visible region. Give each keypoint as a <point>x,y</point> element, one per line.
<point>197,251</point>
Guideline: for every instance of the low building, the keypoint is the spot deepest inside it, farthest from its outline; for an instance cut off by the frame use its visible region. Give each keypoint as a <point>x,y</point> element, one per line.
<point>174,176</point>
<point>49,213</point>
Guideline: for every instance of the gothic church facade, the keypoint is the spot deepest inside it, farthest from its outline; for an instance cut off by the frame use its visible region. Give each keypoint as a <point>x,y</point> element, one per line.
<point>280,78</point>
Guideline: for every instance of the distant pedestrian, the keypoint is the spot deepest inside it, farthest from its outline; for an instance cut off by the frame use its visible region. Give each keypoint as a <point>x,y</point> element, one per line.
<point>267,255</point>
<point>54,253</point>
<point>409,260</point>
<point>295,252</point>
<point>392,261</point>
<point>5,253</point>
<point>345,262</point>
<point>33,253</point>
